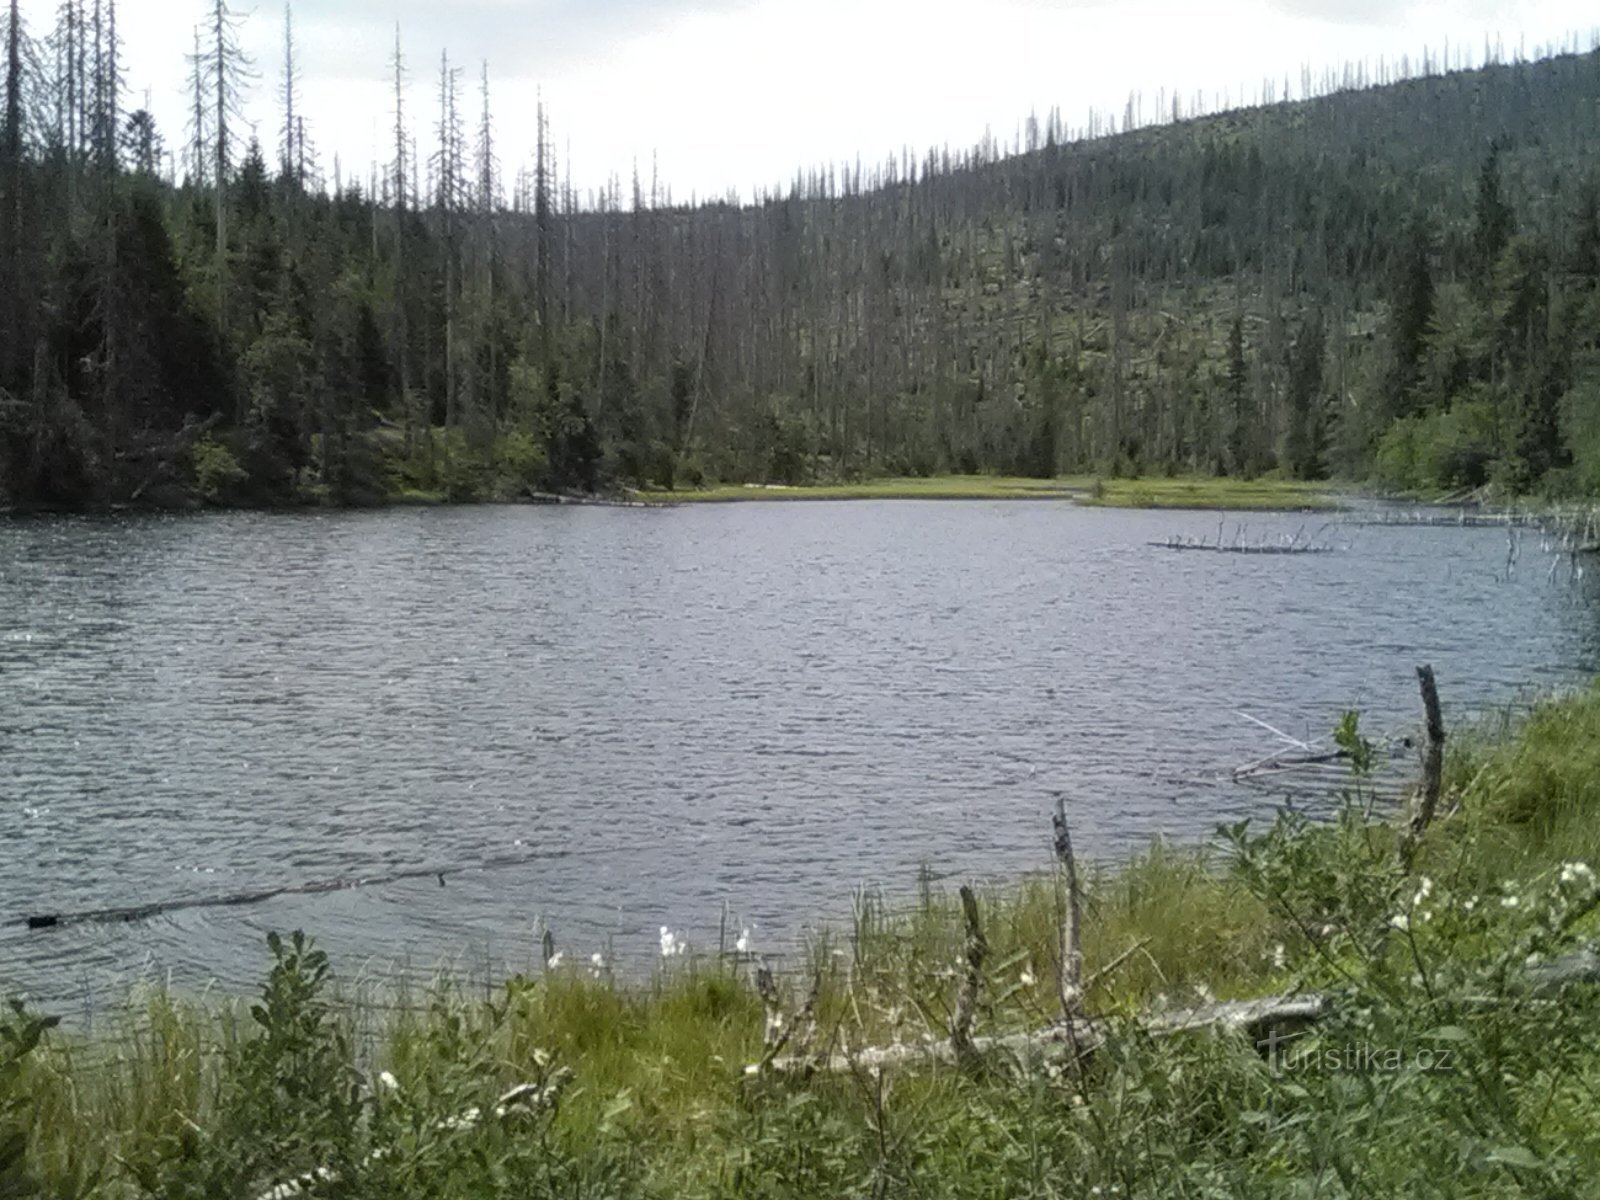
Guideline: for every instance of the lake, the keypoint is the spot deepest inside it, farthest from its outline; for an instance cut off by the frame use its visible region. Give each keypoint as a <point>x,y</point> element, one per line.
<point>640,717</point>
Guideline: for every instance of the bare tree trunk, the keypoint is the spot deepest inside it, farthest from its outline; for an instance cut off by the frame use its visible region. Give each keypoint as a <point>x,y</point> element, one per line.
<point>1432,768</point>
<point>1071,982</point>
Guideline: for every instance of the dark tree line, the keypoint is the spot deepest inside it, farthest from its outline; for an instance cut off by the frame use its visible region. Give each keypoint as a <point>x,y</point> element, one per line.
<point>1400,279</point>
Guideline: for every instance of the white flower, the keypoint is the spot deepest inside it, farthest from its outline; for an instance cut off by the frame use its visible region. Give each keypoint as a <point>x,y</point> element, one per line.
<point>554,960</point>
<point>1576,872</point>
<point>1424,889</point>
<point>1280,957</point>
<point>1400,921</point>
<point>670,944</point>
<point>1470,903</point>
<point>597,961</point>
<point>1028,979</point>
<point>388,1082</point>
<point>1508,902</point>
<point>742,946</point>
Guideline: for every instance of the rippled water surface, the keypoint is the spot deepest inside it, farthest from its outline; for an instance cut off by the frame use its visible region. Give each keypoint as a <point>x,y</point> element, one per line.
<point>663,712</point>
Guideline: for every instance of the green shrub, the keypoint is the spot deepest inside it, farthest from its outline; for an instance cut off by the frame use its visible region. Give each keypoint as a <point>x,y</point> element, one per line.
<point>217,473</point>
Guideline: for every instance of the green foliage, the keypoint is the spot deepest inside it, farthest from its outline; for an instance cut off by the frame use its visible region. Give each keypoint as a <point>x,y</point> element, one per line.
<point>1446,451</point>
<point>1217,295</point>
<point>20,1036</point>
<point>1453,1060</point>
<point>216,471</point>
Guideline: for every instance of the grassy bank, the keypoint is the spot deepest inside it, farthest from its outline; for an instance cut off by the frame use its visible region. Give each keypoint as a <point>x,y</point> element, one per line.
<point>1180,492</point>
<point>1440,1072</point>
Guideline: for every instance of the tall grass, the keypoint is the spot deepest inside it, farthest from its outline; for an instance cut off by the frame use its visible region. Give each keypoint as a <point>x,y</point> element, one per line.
<point>1441,1072</point>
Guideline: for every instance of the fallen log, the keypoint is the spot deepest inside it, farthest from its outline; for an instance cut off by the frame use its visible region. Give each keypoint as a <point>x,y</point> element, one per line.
<point>1263,549</point>
<point>533,497</point>
<point>1265,1021</point>
<point>1083,1035</point>
<point>39,922</point>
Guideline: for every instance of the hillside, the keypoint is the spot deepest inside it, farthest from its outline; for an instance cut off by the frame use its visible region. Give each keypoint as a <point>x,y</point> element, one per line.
<point>1395,282</point>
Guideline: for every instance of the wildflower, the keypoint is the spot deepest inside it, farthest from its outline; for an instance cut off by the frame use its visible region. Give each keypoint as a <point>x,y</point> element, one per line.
<point>554,960</point>
<point>1470,903</point>
<point>1028,979</point>
<point>1576,872</point>
<point>1424,889</point>
<point>1400,921</point>
<point>388,1082</point>
<point>670,943</point>
<point>743,944</point>
<point>1508,902</point>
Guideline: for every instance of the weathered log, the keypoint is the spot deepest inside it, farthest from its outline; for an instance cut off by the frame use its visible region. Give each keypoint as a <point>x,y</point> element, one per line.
<point>140,912</point>
<point>1071,972</point>
<point>977,949</point>
<point>1266,549</point>
<point>1253,1017</point>
<point>1432,768</point>
<point>1265,1021</point>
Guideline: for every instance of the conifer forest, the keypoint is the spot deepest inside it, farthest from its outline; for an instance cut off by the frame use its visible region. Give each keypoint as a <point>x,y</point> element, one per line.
<point>1389,276</point>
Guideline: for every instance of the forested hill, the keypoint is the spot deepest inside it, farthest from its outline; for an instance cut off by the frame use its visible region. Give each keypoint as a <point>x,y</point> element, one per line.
<point>1398,281</point>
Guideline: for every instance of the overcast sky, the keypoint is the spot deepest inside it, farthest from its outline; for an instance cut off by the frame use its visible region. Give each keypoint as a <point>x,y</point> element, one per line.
<point>739,93</point>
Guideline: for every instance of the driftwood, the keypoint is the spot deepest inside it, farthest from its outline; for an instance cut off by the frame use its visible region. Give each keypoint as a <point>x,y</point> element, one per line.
<point>1267,1022</point>
<point>533,497</point>
<point>779,1032</point>
<point>1071,976</point>
<point>977,949</point>
<point>1256,1018</point>
<point>1432,769</point>
<point>141,912</point>
<point>1265,548</point>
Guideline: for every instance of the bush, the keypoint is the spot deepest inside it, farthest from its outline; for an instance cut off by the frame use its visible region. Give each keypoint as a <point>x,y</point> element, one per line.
<point>1445,451</point>
<point>20,1036</point>
<point>217,473</point>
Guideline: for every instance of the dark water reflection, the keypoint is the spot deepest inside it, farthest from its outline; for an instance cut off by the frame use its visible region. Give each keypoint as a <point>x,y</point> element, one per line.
<point>665,711</point>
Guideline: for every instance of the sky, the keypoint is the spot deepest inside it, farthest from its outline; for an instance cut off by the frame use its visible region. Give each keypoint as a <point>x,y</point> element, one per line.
<point>720,96</point>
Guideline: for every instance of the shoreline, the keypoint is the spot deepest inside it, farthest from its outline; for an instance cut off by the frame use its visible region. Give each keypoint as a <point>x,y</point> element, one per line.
<point>667,1073</point>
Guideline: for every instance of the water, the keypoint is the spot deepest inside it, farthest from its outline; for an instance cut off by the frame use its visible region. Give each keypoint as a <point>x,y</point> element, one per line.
<point>655,714</point>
